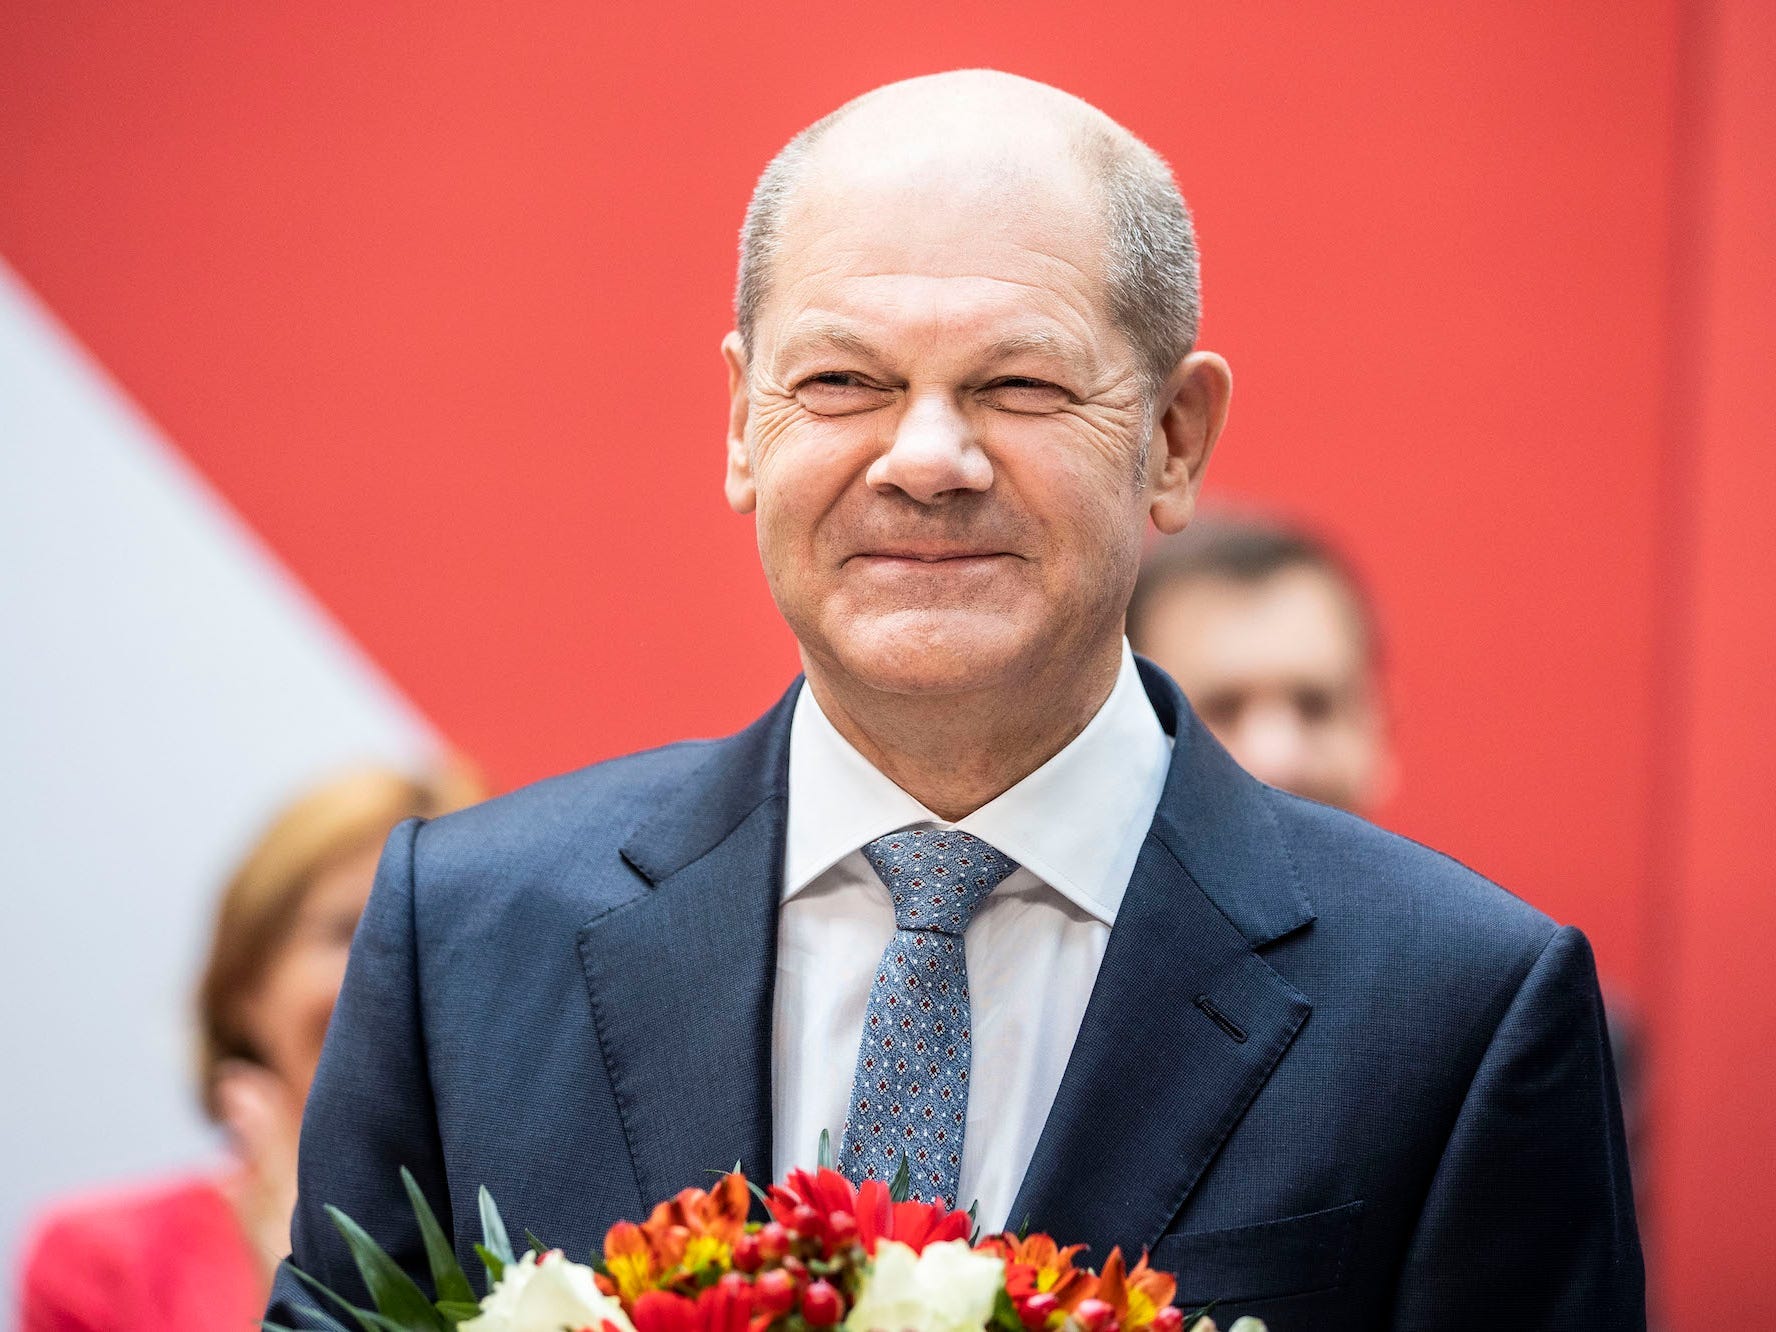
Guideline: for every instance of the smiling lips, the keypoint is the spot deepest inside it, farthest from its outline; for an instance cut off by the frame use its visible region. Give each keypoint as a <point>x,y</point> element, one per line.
<point>913,556</point>
<point>929,551</point>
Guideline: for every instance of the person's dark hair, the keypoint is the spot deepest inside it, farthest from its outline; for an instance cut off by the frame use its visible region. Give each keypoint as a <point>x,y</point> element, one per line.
<point>1245,548</point>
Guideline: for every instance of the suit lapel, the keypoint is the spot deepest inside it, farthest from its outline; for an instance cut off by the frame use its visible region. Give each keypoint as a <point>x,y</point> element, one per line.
<point>1185,1021</point>
<point>681,973</point>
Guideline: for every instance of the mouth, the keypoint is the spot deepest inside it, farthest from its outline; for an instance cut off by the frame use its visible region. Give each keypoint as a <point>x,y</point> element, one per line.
<point>931,555</point>
<point>925,563</point>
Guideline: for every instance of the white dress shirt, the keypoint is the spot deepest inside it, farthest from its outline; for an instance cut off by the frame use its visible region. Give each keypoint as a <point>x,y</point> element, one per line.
<point>1075,826</point>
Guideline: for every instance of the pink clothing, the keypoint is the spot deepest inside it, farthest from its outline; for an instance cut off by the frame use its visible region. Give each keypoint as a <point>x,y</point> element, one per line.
<point>169,1258</point>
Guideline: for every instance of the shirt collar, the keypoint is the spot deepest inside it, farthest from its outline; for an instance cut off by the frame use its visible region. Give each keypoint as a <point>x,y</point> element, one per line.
<point>1077,822</point>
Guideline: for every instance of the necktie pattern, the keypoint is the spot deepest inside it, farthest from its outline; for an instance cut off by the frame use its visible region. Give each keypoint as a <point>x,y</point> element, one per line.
<point>910,1092</point>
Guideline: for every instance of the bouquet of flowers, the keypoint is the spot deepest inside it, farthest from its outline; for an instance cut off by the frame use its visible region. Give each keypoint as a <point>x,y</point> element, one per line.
<point>860,1258</point>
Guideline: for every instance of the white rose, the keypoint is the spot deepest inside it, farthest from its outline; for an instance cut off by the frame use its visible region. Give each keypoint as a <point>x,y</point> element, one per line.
<point>947,1288</point>
<point>547,1295</point>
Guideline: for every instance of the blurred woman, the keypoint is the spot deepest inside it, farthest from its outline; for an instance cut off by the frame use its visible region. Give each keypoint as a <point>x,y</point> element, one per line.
<point>199,1253</point>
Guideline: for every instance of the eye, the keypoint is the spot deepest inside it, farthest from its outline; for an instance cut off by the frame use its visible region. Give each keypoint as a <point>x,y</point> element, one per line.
<point>839,393</point>
<point>1314,704</point>
<point>1219,709</point>
<point>1016,393</point>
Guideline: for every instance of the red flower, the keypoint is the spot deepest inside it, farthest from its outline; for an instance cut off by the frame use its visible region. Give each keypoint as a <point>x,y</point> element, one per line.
<point>826,1206</point>
<point>807,1203</point>
<point>914,1224</point>
<point>723,1307</point>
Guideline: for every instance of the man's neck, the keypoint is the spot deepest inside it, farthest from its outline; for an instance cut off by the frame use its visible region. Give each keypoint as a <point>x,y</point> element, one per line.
<point>955,752</point>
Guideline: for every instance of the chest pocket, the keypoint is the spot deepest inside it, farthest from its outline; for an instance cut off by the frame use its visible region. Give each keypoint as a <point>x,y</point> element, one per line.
<point>1295,1255</point>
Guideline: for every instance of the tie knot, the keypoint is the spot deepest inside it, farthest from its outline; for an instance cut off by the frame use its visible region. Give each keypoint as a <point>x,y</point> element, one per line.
<point>937,879</point>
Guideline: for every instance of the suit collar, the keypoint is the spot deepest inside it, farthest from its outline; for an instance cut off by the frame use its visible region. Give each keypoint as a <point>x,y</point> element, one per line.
<point>1215,818</point>
<point>737,775</point>
<point>1186,1021</point>
<point>680,972</point>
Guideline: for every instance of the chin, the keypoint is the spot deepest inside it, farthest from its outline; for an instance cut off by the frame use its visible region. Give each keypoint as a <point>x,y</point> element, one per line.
<point>931,652</point>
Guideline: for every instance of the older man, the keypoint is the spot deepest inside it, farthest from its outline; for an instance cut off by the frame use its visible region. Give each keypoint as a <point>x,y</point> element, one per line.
<point>980,889</point>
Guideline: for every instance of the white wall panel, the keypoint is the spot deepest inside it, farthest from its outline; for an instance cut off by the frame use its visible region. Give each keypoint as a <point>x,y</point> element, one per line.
<point>164,686</point>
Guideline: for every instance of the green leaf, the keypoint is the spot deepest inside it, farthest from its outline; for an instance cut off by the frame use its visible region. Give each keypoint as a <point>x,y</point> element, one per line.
<point>493,1229</point>
<point>398,1297</point>
<point>327,1323</point>
<point>363,1316</point>
<point>900,1188</point>
<point>823,1158</point>
<point>1005,1315</point>
<point>458,1312</point>
<point>1191,1320</point>
<point>536,1245</point>
<point>495,1265</point>
<point>448,1279</point>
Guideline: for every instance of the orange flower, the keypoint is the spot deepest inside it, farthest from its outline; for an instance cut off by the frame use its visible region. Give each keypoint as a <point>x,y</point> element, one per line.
<point>1036,1265</point>
<point>1135,1295</point>
<point>630,1260</point>
<point>685,1237</point>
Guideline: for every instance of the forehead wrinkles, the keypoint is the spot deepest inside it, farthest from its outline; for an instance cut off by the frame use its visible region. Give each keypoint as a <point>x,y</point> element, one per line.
<point>871,274</point>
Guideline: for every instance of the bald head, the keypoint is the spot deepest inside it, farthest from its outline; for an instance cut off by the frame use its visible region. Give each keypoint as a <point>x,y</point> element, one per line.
<point>977,140</point>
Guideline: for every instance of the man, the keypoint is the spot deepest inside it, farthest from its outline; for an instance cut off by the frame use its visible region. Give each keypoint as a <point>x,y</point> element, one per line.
<point>1324,1074</point>
<point>1275,644</point>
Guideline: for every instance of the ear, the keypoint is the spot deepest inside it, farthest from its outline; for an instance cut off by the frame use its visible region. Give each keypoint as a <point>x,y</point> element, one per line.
<point>1192,410</point>
<point>742,493</point>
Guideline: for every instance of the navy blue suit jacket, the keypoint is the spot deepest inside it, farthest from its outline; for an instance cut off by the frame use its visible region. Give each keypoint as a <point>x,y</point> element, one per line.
<point>1326,1075</point>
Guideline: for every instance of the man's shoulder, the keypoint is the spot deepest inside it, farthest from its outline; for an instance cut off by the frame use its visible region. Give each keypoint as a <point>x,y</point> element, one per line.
<point>1410,899</point>
<point>568,826</point>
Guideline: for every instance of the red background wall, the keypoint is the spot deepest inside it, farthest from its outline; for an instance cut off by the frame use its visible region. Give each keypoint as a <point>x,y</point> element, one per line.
<point>433,295</point>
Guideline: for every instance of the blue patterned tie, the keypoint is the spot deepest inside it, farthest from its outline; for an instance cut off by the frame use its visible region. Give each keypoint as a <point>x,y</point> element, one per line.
<point>910,1091</point>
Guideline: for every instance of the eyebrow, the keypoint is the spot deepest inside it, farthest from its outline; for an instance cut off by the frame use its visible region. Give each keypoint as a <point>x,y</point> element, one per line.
<point>826,334</point>
<point>829,334</point>
<point>1040,342</point>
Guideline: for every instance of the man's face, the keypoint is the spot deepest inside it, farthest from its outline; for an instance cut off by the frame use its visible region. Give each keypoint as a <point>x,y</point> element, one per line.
<point>1279,671</point>
<point>940,429</point>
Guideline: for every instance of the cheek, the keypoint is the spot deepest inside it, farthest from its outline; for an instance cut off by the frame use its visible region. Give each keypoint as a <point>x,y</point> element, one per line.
<point>1088,501</point>
<point>298,1004</point>
<point>802,473</point>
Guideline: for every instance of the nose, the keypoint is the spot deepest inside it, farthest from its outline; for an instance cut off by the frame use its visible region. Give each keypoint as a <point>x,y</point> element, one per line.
<point>933,453</point>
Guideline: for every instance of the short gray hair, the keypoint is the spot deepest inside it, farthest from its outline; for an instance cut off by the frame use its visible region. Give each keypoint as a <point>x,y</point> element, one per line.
<point>1151,267</point>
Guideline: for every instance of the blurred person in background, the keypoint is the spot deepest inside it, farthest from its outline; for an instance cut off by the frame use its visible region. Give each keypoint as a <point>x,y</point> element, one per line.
<point>1276,643</point>
<point>198,1253</point>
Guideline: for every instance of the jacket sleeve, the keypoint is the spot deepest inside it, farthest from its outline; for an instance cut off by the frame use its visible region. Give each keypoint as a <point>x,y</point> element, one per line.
<point>1529,1221</point>
<point>370,1111</point>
